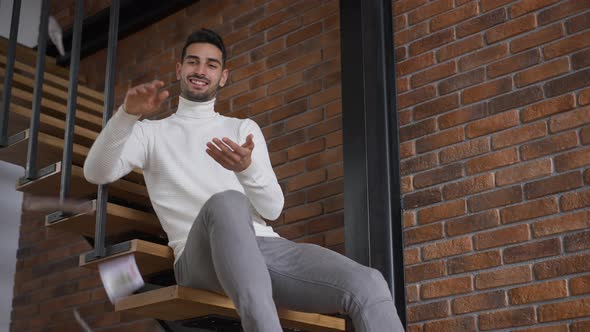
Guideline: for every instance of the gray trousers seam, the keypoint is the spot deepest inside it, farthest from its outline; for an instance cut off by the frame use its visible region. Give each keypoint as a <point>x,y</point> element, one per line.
<point>352,296</point>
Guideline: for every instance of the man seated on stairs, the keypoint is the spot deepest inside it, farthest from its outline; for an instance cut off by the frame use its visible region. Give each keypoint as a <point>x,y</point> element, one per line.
<point>211,183</point>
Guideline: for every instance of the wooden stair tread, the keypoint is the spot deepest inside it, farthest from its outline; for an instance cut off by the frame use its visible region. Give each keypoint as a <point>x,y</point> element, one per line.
<point>56,79</point>
<point>178,303</point>
<point>20,118</point>
<point>49,185</point>
<point>150,257</point>
<point>30,55</point>
<point>51,151</point>
<point>56,92</point>
<point>120,220</point>
<point>54,108</point>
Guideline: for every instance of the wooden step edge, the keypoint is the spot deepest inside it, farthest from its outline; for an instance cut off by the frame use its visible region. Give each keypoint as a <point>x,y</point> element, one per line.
<point>16,153</point>
<point>178,303</point>
<point>120,220</point>
<point>82,89</point>
<point>55,125</point>
<point>55,106</point>
<point>49,181</point>
<point>58,93</point>
<point>50,149</point>
<point>30,55</point>
<point>150,257</point>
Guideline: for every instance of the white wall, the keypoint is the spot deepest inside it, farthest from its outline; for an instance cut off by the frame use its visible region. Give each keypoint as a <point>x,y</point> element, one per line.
<point>28,27</point>
<point>10,210</point>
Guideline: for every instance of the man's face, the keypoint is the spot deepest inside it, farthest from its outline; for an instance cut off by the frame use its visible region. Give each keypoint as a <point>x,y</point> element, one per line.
<point>201,72</point>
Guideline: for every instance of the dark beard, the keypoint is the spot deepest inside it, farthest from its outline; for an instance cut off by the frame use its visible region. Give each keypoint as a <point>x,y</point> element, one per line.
<point>195,96</point>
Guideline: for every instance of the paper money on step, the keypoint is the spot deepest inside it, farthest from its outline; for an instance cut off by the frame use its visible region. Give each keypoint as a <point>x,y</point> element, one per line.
<point>120,277</point>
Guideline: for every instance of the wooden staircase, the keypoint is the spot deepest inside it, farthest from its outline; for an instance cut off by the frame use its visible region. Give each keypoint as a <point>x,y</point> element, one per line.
<point>129,212</point>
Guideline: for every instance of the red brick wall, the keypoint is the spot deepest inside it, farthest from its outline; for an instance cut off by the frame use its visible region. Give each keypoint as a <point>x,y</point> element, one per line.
<point>493,99</point>
<point>63,10</point>
<point>285,74</point>
<point>284,61</point>
<point>494,122</point>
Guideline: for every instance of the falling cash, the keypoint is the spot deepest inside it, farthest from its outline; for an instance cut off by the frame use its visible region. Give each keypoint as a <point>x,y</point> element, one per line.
<point>120,277</point>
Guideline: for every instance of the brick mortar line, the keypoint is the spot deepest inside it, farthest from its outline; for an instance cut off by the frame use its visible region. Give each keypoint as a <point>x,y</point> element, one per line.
<point>486,45</point>
<point>535,305</point>
<point>559,213</point>
<point>504,265</point>
<point>495,170</point>
<point>459,92</point>
<point>521,124</point>
<point>528,222</point>
<point>325,119</point>
<point>506,289</point>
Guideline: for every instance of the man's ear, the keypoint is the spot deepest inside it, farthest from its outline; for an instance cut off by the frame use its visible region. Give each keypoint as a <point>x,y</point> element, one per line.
<point>178,67</point>
<point>224,76</point>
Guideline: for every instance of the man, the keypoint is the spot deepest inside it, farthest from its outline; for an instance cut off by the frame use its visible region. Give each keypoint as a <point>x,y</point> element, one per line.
<point>211,183</point>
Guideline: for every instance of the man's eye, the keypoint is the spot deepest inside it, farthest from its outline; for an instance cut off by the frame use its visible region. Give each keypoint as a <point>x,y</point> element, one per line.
<point>213,66</point>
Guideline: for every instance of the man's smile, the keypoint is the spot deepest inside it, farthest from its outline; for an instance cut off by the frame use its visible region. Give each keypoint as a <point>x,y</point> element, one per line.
<point>198,82</point>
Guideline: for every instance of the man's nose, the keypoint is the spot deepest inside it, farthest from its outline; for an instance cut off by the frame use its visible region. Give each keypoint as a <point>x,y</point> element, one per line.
<point>200,70</point>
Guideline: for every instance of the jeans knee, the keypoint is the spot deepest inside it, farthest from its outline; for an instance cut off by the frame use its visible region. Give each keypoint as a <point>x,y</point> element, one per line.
<point>229,199</point>
<point>371,287</point>
<point>227,206</point>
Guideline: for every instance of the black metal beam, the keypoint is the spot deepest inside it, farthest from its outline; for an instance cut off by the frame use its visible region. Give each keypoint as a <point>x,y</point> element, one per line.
<point>372,193</point>
<point>65,184</point>
<point>134,16</point>
<point>31,166</point>
<point>109,96</point>
<point>10,57</point>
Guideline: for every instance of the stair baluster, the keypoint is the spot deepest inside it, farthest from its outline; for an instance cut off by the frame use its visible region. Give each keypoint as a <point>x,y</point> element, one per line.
<point>10,57</point>
<point>101,213</point>
<point>31,167</point>
<point>65,186</point>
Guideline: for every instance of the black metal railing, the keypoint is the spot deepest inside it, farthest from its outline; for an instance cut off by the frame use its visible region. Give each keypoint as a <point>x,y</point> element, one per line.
<point>10,58</point>
<point>109,96</point>
<point>31,162</point>
<point>31,166</point>
<point>66,172</point>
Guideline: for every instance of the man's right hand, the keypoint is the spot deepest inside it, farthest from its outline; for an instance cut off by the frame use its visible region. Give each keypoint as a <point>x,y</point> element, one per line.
<point>145,98</point>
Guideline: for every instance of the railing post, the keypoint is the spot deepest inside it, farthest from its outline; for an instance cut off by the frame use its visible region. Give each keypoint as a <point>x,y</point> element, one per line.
<point>10,57</point>
<point>109,94</point>
<point>31,167</point>
<point>72,102</point>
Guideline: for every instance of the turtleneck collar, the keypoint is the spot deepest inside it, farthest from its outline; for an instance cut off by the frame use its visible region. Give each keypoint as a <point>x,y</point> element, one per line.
<point>196,110</point>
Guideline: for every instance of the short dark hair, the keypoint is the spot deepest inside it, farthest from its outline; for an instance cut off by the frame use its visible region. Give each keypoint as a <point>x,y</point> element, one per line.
<point>205,36</point>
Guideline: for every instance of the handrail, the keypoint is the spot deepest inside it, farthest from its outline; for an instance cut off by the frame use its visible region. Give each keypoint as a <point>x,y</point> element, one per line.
<point>65,183</point>
<point>31,168</point>
<point>102,195</point>
<point>11,55</point>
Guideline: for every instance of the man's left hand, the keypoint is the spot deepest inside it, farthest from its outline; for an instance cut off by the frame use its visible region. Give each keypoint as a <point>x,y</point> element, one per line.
<point>230,155</point>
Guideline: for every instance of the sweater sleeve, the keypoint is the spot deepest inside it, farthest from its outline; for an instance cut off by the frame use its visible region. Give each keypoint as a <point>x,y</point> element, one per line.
<point>118,149</point>
<point>259,180</point>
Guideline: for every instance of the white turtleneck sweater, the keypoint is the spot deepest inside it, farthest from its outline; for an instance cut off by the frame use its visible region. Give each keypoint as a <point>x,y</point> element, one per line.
<point>179,174</point>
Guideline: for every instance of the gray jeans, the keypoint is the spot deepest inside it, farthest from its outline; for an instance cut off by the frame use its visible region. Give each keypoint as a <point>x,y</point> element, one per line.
<point>223,255</point>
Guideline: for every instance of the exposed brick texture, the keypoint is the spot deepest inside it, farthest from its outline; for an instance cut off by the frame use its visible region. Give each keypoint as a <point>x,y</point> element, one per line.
<point>494,127</point>
<point>510,157</point>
